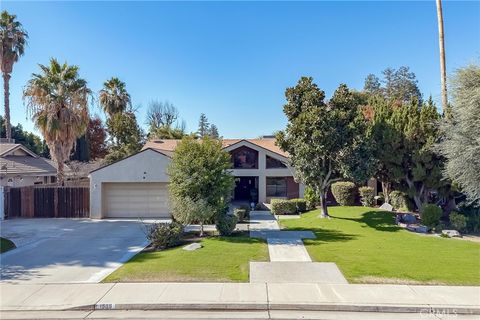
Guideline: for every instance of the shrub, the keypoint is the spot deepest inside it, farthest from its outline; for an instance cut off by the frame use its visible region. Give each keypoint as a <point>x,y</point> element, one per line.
<point>187,211</point>
<point>430,215</point>
<point>344,193</point>
<point>301,204</point>
<point>472,213</point>
<point>240,213</point>
<point>399,200</point>
<point>283,206</point>
<point>367,195</point>
<point>226,224</point>
<point>458,221</point>
<point>164,235</point>
<point>311,197</point>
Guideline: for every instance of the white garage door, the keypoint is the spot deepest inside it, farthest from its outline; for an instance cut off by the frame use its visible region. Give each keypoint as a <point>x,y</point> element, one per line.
<point>134,200</point>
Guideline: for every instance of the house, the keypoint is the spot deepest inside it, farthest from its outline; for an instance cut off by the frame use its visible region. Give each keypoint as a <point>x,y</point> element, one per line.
<point>21,167</point>
<point>137,186</point>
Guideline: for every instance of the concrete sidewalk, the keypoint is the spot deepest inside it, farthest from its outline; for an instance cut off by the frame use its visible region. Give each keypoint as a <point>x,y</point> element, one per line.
<point>239,296</point>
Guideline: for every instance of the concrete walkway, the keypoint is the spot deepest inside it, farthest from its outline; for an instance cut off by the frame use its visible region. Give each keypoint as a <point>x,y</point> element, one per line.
<point>239,296</point>
<point>289,259</point>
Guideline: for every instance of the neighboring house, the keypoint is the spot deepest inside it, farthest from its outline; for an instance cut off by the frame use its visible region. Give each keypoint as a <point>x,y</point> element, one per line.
<point>21,167</point>
<point>138,185</point>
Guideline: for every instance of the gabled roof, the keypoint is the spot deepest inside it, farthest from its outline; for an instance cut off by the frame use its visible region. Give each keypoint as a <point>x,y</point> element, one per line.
<point>26,164</point>
<point>169,145</point>
<point>132,155</point>
<point>9,148</point>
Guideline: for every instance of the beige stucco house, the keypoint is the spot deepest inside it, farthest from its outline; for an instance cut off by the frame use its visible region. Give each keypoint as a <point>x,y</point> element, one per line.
<point>20,167</point>
<point>138,185</point>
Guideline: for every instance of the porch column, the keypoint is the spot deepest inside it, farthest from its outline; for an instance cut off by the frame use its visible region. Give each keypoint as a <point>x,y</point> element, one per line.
<point>262,189</point>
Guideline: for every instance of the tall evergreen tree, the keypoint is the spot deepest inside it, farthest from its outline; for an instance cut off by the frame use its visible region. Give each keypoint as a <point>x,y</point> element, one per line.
<point>213,132</point>
<point>203,126</point>
<point>461,144</point>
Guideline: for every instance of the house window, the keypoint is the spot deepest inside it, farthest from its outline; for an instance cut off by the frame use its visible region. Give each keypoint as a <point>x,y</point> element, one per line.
<point>277,187</point>
<point>273,163</point>
<point>245,158</point>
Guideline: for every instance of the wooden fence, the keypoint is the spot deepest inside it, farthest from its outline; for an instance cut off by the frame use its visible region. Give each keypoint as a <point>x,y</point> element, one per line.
<point>47,202</point>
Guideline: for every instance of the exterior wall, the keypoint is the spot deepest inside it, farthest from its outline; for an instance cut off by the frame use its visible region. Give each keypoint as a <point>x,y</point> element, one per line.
<point>146,166</point>
<point>25,181</point>
<point>262,172</point>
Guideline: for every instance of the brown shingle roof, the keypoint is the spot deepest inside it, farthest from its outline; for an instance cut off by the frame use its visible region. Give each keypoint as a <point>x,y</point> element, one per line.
<point>168,145</point>
<point>26,165</point>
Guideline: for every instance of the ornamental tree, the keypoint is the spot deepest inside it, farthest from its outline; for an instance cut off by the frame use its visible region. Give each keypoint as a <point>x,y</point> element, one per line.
<point>324,140</point>
<point>199,174</point>
<point>461,144</point>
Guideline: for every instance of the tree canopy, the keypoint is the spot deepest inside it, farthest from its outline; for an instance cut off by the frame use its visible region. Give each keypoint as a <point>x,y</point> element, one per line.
<point>461,132</point>
<point>324,140</point>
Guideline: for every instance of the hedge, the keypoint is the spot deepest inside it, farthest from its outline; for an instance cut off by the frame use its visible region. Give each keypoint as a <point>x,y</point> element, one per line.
<point>284,206</point>
<point>367,196</point>
<point>344,193</point>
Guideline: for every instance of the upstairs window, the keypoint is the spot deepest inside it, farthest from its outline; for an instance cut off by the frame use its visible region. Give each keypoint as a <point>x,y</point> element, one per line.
<point>273,163</point>
<point>245,158</point>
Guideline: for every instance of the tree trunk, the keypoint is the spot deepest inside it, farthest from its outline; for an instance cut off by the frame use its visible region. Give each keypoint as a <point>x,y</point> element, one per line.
<point>386,187</point>
<point>60,173</point>
<point>6,92</point>
<point>323,204</point>
<point>441,45</point>
<point>201,229</point>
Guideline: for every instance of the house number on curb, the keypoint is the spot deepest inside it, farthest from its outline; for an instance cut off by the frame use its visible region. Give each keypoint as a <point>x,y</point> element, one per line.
<point>107,306</point>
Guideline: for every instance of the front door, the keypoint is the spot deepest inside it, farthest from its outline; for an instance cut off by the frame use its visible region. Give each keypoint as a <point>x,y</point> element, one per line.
<point>246,189</point>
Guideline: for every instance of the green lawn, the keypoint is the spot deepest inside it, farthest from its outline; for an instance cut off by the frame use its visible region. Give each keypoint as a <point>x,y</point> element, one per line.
<point>367,246</point>
<point>6,245</point>
<point>220,259</point>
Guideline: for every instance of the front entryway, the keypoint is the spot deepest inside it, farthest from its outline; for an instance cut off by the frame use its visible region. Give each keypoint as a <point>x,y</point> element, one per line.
<point>246,189</point>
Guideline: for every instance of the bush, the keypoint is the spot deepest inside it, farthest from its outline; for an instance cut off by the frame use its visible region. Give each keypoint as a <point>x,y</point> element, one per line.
<point>240,213</point>
<point>399,200</point>
<point>367,195</point>
<point>301,204</point>
<point>344,193</point>
<point>164,235</point>
<point>458,221</point>
<point>226,224</point>
<point>283,206</point>
<point>430,215</point>
<point>472,213</point>
<point>311,197</point>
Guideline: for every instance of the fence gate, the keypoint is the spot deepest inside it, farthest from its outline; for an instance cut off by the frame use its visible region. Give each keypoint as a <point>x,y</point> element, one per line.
<point>47,202</point>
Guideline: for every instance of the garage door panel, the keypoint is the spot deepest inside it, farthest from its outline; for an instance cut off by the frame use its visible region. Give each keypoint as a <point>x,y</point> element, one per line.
<point>133,200</point>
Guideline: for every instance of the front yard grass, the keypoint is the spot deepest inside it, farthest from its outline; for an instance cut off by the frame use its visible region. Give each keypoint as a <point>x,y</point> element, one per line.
<point>6,245</point>
<point>221,259</point>
<point>369,247</point>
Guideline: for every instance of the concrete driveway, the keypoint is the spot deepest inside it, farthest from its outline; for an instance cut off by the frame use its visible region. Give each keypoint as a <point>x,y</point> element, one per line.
<point>68,250</point>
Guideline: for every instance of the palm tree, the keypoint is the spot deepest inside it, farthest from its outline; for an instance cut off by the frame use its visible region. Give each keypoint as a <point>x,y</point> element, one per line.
<point>13,41</point>
<point>114,97</point>
<point>441,44</point>
<point>57,100</point>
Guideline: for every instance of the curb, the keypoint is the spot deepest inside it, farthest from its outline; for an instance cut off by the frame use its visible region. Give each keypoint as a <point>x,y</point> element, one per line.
<point>423,309</point>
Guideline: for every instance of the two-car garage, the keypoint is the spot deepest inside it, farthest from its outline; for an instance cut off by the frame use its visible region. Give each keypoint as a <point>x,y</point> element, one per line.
<point>135,187</point>
<point>130,199</point>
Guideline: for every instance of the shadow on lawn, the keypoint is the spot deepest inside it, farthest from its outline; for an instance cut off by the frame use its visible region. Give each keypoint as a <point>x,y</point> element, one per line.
<point>378,220</point>
<point>326,235</point>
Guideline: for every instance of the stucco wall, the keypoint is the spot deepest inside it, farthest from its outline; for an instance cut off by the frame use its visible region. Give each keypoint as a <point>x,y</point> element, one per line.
<point>146,166</point>
<point>25,181</point>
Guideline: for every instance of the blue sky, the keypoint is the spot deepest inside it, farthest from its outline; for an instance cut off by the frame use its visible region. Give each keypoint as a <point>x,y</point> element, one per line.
<point>233,60</point>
